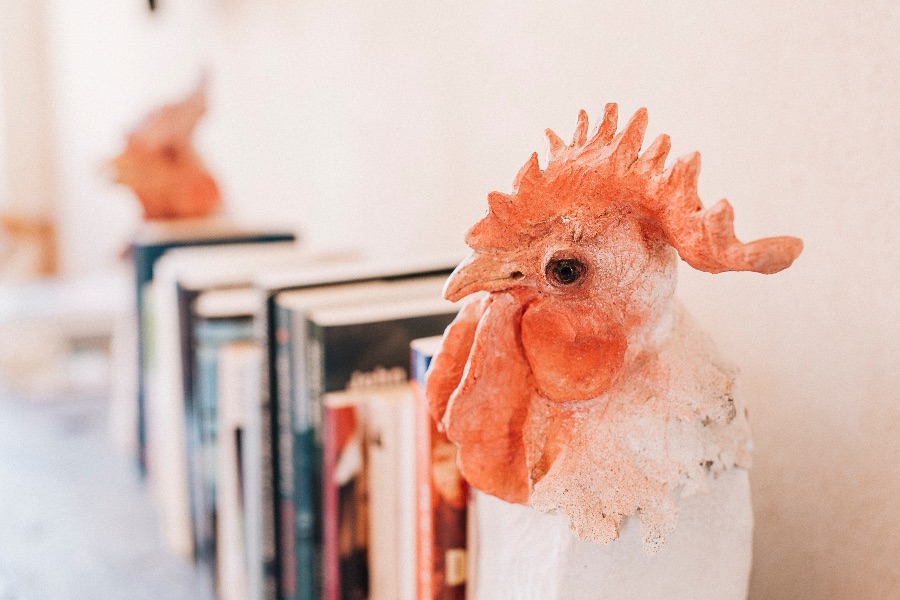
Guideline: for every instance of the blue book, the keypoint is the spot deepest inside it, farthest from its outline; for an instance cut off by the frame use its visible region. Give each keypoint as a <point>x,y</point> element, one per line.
<point>441,510</point>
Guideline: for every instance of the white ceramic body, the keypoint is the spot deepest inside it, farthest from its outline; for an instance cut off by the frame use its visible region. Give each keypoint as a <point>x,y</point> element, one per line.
<point>520,553</point>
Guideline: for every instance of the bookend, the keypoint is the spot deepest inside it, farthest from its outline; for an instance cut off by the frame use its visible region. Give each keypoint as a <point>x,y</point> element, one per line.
<point>602,431</point>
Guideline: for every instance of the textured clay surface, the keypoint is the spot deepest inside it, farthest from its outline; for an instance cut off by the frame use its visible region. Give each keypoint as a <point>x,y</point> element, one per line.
<point>574,381</point>
<point>160,165</point>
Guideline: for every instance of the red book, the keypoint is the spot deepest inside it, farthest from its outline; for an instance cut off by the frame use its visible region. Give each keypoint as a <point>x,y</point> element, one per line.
<point>441,497</point>
<point>344,518</point>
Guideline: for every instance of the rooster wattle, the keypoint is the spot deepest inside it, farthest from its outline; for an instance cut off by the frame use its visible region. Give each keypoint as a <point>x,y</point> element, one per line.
<point>575,381</point>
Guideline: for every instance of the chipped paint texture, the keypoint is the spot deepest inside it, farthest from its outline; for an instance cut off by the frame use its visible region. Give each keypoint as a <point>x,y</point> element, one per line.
<point>160,165</point>
<point>573,380</point>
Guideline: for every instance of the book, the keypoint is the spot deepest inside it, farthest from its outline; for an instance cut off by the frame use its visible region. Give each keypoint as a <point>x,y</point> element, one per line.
<point>344,342</point>
<point>344,499</point>
<point>148,245</point>
<point>441,496</point>
<point>390,452</point>
<point>238,389</point>
<point>279,562</point>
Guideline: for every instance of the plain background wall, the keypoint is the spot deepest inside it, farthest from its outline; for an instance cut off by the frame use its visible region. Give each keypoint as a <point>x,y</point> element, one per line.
<point>27,153</point>
<point>385,125</point>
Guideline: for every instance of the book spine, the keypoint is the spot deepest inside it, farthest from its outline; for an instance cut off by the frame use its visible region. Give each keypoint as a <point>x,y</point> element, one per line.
<point>406,546</point>
<point>390,455</point>
<point>199,411</point>
<point>143,268</point>
<point>307,464</point>
<point>384,499</point>
<point>344,505</point>
<point>268,534</point>
<point>331,571</point>
<point>252,485</point>
<point>235,380</point>
<point>441,497</point>
<point>145,358</point>
<point>285,512</point>
<point>424,525</point>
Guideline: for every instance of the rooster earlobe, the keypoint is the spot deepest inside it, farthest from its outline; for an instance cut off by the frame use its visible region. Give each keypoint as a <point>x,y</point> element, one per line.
<point>575,352</point>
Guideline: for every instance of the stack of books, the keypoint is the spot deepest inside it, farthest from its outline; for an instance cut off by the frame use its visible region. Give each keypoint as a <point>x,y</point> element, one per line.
<point>151,242</point>
<point>287,440</point>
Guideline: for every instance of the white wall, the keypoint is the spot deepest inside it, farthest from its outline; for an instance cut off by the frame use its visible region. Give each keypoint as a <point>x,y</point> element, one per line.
<point>27,166</point>
<point>112,63</point>
<point>387,125</point>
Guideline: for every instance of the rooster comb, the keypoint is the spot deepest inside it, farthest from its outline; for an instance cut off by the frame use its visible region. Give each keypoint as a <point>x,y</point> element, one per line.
<point>173,123</point>
<point>598,169</point>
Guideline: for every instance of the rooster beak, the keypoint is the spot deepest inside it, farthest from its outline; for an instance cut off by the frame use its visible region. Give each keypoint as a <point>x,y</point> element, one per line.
<point>481,273</point>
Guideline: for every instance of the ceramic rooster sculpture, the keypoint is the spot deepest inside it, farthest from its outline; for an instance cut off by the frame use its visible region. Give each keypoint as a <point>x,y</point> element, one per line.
<point>162,167</point>
<point>575,382</point>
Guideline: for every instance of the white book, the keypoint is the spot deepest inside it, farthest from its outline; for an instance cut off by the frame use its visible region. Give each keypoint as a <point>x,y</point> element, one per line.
<point>227,302</point>
<point>390,450</point>
<point>239,387</point>
<point>281,279</point>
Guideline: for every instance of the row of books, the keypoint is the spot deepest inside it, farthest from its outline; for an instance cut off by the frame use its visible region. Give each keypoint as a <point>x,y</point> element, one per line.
<point>287,445</point>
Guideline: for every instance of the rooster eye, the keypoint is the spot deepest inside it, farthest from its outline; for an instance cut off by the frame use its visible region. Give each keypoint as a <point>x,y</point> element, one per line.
<point>566,271</point>
<point>170,153</point>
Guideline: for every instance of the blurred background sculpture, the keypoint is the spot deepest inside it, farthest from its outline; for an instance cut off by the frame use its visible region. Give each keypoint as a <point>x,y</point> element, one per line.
<point>162,167</point>
<point>577,384</point>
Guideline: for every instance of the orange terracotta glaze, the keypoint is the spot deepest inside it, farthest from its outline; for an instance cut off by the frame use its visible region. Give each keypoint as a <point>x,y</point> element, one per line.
<point>578,383</point>
<point>160,165</point>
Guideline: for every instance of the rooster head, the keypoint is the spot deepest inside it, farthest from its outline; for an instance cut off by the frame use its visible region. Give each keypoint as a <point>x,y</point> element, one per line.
<point>160,165</point>
<point>576,273</point>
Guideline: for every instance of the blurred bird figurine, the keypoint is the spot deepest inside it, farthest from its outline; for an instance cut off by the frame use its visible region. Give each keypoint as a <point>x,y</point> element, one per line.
<point>575,381</point>
<point>160,165</point>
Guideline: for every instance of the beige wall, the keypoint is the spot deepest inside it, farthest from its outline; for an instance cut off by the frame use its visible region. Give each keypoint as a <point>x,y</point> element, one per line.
<point>387,126</point>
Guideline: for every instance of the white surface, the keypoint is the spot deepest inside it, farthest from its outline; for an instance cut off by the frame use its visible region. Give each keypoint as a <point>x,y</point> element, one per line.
<point>77,522</point>
<point>523,554</point>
